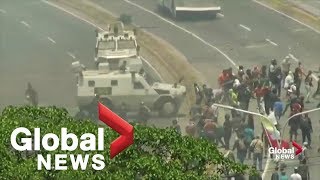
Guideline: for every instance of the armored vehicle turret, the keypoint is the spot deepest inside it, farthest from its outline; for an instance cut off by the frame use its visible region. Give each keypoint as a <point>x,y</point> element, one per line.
<point>115,44</point>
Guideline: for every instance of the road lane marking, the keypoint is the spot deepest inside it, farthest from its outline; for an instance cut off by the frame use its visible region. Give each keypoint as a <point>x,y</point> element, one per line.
<point>286,15</point>
<point>25,24</point>
<point>271,42</point>
<point>72,14</point>
<point>245,27</point>
<point>301,30</point>
<point>71,55</point>
<point>257,46</point>
<point>220,15</point>
<point>3,11</point>
<point>185,30</point>
<point>297,60</point>
<point>51,40</point>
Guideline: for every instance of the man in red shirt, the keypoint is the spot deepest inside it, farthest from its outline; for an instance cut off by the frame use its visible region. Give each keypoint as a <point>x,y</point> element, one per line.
<point>259,92</point>
<point>209,129</point>
<point>191,128</point>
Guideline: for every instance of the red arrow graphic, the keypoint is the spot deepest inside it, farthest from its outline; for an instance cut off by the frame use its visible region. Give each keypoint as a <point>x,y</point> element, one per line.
<point>120,126</point>
<point>299,147</point>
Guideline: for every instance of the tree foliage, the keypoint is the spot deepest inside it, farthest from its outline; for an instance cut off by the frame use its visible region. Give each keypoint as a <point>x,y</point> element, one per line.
<point>155,154</point>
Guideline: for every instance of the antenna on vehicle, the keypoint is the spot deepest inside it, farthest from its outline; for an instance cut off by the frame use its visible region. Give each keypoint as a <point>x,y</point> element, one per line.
<point>138,49</point>
<point>116,30</point>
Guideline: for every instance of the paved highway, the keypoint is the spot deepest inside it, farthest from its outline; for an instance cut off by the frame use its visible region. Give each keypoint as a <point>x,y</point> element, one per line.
<point>246,33</point>
<point>38,44</point>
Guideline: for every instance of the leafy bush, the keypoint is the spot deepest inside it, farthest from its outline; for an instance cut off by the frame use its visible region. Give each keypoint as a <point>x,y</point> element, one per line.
<point>125,19</point>
<point>155,154</point>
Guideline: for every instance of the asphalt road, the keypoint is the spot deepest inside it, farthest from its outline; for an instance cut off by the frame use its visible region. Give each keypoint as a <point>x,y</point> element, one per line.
<point>248,34</point>
<point>245,34</point>
<point>38,44</point>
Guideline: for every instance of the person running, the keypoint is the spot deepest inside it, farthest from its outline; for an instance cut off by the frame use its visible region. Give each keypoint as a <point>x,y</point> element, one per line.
<point>295,175</point>
<point>227,125</point>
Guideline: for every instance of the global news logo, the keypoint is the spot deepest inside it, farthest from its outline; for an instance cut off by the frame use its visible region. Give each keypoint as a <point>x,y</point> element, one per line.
<point>286,154</point>
<point>70,142</point>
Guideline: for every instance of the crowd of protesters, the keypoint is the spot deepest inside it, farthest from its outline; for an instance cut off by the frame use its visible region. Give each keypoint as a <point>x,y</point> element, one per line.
<point>275,88</point>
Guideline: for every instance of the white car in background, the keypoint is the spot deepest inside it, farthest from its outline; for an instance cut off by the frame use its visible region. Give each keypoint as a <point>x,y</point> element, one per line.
<point>181,8</point>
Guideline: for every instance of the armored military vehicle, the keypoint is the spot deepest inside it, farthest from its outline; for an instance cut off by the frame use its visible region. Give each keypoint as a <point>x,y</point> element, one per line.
<point>115,44</point>
<point>187,8</point>
<point>126,85</point>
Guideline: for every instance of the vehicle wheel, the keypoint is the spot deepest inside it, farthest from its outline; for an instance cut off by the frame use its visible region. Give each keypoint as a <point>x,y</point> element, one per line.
<point>168,108</point>
<point>82,114</point>
<point>160,9</point>
<point>108,103</point>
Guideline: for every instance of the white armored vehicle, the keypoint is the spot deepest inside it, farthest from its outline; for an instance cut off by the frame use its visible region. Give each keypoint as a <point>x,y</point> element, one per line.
<point>126,85</point>
<point>181,8</point>
<point>115,44</point>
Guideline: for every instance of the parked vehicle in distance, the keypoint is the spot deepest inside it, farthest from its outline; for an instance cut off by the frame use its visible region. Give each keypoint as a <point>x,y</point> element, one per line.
<point>186,8</point>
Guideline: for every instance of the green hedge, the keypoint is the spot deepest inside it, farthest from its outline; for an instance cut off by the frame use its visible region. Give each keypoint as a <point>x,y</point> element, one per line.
<point>145,159</point>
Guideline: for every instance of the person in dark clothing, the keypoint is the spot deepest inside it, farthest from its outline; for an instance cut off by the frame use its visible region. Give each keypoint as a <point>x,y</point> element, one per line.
<point>244,97</point>
<point>291,101</point>
<point>207,93</point>
<point>239,144</point>
<point>297,80</point>
<point>227,126</point>
<point>123,66</point>
<point>31,95</point>
<point>144,113</point>
<point>303,170</point>
<point>176,126</point>
<point>251,121</point>
<point>275,174</point>
<point>123,110</point>
<point>274,98</point>
<point>263,72</point>
<point>306,129</point>
<point>267,101</point>
<point>277,81</point>
<point>294,124</point>
<point>198,93</point>
<point>318,106</point>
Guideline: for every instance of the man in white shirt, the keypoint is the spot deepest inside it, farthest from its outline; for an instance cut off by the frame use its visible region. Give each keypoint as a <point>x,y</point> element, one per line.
<point>295,175</point>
